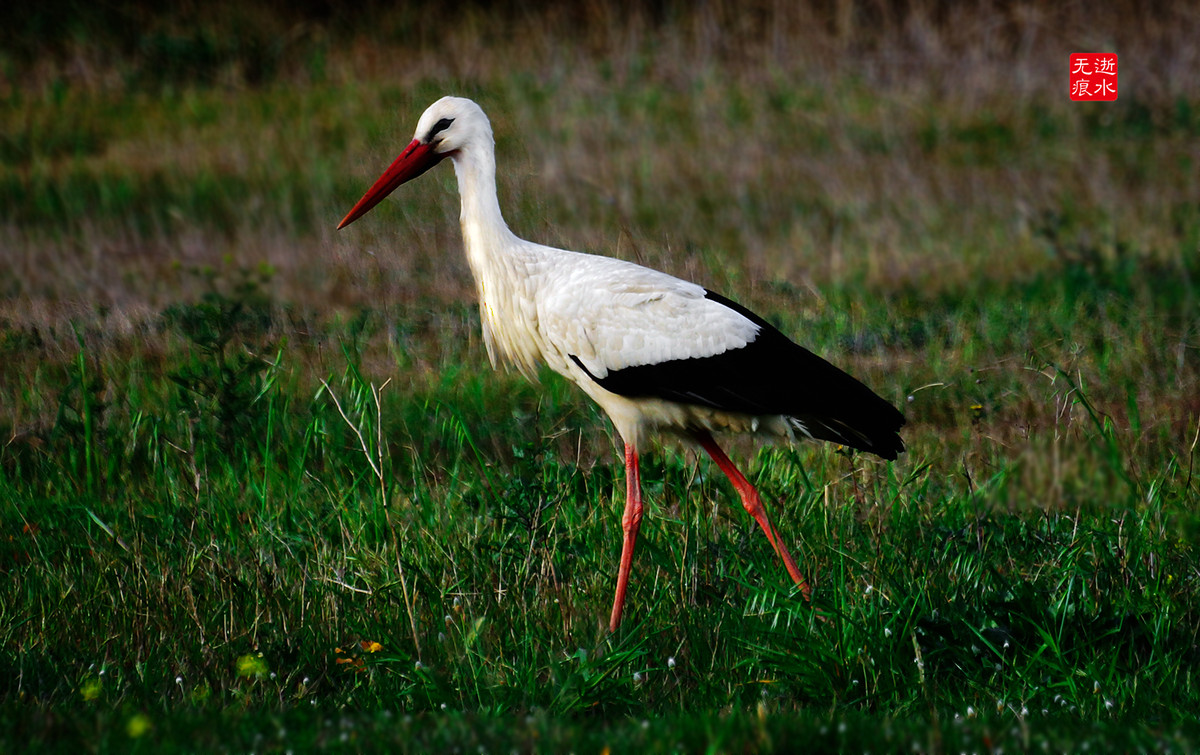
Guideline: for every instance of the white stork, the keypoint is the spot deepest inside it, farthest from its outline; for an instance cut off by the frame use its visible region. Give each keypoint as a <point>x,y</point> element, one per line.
<point>657,353</point>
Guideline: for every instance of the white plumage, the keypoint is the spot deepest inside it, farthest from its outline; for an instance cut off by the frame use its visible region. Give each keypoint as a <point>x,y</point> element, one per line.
<point>657,353</point>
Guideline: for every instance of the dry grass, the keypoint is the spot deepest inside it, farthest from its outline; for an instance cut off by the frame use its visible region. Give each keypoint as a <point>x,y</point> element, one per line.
<point>798,156</point>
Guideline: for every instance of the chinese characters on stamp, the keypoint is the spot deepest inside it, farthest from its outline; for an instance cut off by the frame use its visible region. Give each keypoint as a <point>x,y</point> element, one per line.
<point>1094,76</point>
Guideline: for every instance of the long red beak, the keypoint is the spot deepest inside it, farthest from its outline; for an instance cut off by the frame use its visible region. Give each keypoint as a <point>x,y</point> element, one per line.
<point>412,162</point>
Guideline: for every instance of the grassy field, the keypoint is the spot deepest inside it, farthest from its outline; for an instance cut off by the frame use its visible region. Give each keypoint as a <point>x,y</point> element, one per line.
<point>260,490</point>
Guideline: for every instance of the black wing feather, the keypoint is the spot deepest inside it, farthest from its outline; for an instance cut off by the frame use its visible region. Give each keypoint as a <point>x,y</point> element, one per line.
<point>771,375</point>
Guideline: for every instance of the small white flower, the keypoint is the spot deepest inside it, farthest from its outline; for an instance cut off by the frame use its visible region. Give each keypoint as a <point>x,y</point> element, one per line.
<point>179,680</point>
<point>970,712</point>
<point>887,631</point>
<point>418,666</point>
<point>1108,704</point>
<point>637,677</point>
<point>671,662</point>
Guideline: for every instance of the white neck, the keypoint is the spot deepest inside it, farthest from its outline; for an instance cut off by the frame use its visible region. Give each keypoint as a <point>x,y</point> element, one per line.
<point>485,234</point>
<point>503,265</point>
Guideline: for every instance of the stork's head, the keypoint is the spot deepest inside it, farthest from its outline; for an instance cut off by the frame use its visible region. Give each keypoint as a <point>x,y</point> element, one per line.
<point>449,125</point>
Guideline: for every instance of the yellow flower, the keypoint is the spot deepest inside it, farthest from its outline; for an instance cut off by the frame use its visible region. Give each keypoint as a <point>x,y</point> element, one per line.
<point>251,665</point>
<point>91,689</point>
<point>138,725</point>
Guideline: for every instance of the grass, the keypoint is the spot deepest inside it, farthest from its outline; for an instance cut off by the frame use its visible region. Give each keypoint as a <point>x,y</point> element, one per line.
<point>260,491</point>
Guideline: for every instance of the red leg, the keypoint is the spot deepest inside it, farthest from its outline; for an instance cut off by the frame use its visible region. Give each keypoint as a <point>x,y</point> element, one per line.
<point>631,522</point>
<point>754,505</point>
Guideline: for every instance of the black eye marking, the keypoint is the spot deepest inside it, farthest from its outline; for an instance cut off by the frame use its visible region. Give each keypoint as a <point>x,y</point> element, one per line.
<point>441,125</point>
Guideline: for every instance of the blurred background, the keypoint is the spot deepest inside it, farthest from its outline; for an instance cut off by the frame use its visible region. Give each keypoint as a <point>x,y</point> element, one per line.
<point>921,154</point>
<point>902,143</point>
